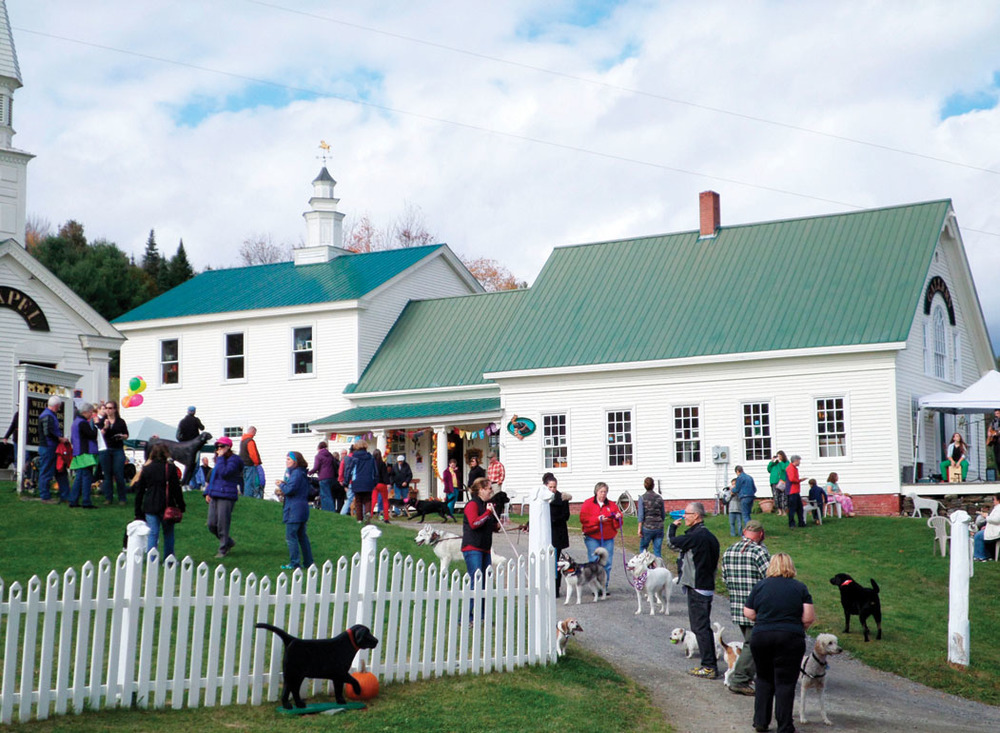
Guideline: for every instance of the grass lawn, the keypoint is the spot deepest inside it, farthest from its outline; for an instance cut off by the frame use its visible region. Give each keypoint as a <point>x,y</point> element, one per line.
<point>897,553</point>
<point>582,692</point>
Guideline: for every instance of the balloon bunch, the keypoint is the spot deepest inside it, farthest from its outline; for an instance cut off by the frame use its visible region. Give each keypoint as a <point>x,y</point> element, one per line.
<point>133,398</point>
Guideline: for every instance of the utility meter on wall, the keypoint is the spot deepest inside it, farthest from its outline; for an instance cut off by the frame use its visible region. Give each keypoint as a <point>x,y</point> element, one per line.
<point>720,454</point>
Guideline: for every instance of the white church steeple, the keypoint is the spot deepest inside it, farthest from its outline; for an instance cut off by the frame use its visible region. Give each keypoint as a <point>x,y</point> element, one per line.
<point>324,224</point>
<point>13,162</point>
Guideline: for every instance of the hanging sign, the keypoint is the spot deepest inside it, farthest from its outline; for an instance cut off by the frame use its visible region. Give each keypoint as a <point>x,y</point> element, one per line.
<point>521,427</point>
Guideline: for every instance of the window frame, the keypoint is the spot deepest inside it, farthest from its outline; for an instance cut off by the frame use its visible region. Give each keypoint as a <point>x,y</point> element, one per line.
<point>312,350</point>
<point>845,407</point>
<point>299,433</point>
<point>940,341</point>
<point>226,356</point>
<point>769,438</point>
<point>674,456</point>
<point>630,464</point>
<point>564,445</point>
<point>161,362</point>
<point>227,432</point>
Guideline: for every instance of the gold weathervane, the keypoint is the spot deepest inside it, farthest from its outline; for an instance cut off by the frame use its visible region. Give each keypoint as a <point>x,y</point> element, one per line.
<point>325,155</point>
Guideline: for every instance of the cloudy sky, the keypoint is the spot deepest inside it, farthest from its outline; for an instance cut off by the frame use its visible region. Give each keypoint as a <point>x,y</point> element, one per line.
<point>514,126</point>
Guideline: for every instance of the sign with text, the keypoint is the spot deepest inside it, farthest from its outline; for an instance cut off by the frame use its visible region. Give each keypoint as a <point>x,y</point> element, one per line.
<point>24,306</point>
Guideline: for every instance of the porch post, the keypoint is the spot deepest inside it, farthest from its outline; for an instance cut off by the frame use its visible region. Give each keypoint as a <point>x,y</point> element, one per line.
<point>380,443</point>
<point>441,433</point>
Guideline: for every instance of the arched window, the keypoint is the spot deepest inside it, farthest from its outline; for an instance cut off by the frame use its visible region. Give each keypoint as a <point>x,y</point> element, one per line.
<point>940,342</point>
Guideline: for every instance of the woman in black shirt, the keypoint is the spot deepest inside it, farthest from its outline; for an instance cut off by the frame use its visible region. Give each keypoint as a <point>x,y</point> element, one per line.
<point>781,609</point>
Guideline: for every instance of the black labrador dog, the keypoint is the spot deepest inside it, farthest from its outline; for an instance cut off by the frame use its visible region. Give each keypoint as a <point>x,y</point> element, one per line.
<point>859,601</point>
<point>327,659</point>
<point>432,506</point>
<point>185,453</point>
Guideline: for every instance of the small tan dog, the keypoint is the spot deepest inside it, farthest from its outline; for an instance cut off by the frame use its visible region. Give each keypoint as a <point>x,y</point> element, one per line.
<point>813,673</point>
<point>565,629</point>
<point>729,651</point>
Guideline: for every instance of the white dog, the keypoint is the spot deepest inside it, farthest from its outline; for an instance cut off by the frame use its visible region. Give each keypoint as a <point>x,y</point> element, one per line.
<point>813,673</point>
<point>729,651</point>
<point>687,638</point>
<point>565,629</point>
<point>447,546</point>
<point>654,579</point>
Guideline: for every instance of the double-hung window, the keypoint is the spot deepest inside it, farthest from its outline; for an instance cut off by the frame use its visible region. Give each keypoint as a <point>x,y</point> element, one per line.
<point>757,431</point>
<point>235,356</point>
<point>619,437</point>
<point>687,434</point>
<point>555,434</point>
<point>170,365</point>
<point>302,350</point>
<point>831,427</point>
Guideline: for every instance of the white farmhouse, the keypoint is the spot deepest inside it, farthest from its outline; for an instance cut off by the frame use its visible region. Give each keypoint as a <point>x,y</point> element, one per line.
<point>680,356</point>
<point>274,345</point>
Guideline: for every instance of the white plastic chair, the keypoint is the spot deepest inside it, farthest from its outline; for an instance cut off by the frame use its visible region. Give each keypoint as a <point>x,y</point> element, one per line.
<point>940,527</point>
<point>831,507</point>
<point>808,506</point>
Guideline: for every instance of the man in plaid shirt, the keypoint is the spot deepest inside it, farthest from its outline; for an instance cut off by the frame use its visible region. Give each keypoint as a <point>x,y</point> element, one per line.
<point>496,473</point>
<point>743,565</point>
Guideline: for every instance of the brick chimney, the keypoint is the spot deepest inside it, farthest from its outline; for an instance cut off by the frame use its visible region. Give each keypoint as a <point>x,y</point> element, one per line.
<point>708,204</point>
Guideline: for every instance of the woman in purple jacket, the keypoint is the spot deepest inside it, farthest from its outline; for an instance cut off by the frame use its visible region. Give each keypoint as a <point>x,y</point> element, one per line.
<point>325,469</point>
<point>295,491</point>
<point>84,436</point>
<point>222,493</point>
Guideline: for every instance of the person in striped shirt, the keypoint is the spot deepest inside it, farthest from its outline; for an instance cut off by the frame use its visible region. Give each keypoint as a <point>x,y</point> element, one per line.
<point>496,472</point>
<point>743,565</point>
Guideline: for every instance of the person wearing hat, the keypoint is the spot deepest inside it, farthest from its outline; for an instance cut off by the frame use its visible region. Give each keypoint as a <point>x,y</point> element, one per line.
<point>402,476</point>
<point>189,427</point>
<point>743,565</point>
<point>222,492</point>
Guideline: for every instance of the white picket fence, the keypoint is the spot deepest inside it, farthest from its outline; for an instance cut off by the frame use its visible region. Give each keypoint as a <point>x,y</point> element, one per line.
<point>152,634</point>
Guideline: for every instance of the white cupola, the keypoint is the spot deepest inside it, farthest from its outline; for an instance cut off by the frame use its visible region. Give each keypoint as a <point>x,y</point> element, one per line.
<point>13,162</point>
<point>324,224</point>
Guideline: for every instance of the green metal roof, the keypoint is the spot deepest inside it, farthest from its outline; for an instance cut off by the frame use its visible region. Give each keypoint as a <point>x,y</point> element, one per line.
<point>347,277</point>
<point>825,281</point>
<point>438,343</point>
<point>409,411</point>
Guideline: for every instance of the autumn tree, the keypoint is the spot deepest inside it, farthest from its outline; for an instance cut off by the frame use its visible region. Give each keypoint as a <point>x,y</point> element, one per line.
<point>36,229</point>
<point>409,229</point>
<point>260,249</point>
<point>492,275</point>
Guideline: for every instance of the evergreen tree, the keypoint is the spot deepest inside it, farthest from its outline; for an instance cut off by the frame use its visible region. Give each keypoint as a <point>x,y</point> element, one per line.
<point>180,270</point>
<point>152,262</point>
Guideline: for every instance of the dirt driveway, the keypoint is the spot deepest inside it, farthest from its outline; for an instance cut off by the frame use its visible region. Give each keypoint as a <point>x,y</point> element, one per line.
<point>859,698</point>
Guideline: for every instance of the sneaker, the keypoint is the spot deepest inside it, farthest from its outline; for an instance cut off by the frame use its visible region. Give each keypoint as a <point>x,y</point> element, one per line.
<point>743,689</point>
<point>705,672</point>
<point>289,567</point>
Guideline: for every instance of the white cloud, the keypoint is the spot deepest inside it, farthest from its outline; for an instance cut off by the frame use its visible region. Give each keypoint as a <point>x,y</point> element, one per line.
<point>116,152</point>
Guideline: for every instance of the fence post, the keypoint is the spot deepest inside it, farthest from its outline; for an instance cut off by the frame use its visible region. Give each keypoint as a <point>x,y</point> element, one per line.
<point>138,534</point>
<point>539,546</point>
<point>366,582</point>
<point>958,590</point>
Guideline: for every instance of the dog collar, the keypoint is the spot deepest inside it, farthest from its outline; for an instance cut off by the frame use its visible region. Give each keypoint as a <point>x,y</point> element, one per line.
<point>350,635</point>
<point>846,582</point>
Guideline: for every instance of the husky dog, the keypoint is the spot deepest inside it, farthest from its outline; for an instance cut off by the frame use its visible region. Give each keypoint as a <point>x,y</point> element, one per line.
<point>652,578</point>
<point>585,575</point>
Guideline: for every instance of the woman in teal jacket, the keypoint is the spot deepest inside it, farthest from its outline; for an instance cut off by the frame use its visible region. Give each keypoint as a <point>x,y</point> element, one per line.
<point>779,480</point>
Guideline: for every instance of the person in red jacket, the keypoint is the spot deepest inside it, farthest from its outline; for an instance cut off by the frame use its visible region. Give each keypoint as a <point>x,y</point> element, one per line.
<point>600,520</point>
<point>795,493</point>
<point>479,522</point>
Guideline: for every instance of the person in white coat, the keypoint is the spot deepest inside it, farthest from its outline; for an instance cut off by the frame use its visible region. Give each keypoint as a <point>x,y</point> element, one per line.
<point>984,541</point>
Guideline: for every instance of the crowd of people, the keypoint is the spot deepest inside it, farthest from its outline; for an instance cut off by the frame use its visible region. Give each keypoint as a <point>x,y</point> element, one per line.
<point>786,490</point>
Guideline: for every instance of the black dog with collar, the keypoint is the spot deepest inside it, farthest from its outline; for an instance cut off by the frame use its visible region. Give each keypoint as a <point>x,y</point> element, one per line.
<point>859,601</point>
<point>327,659</point>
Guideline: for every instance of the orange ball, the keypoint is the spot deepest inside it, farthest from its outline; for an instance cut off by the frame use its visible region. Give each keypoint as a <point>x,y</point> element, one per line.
<point>369,686</point>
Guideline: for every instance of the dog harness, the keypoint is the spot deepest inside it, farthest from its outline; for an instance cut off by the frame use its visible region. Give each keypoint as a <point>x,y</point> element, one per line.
<point>821,663</point>
<point>350,635</point>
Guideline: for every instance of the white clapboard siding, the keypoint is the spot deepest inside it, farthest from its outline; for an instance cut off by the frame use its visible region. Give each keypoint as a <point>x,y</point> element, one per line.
<point>160,633</point>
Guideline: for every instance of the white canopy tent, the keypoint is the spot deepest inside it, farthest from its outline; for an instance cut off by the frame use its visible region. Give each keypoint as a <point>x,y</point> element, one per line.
<point>980,398</point>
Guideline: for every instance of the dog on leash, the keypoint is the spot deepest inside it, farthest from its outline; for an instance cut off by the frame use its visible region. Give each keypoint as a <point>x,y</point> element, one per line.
<point>859,601</point>
<point>729,651</point>
<point>651,577</point>
<point>687,638</point>
<point>591,575</point>
<point>813,673</point>
<point>565,629</point>
<point>327,659</point>
<point>447,546</point>
<point>432,506</point>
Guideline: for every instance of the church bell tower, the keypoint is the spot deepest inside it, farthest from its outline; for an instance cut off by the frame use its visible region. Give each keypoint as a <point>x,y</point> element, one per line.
<point>13,162</point>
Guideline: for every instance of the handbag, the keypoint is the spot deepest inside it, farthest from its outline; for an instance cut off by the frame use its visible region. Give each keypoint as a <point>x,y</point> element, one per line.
<point>171,513</point>
<point>782,484</point>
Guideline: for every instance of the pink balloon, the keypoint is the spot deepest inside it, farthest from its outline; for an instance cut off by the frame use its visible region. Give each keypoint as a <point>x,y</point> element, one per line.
<point>135,401</point>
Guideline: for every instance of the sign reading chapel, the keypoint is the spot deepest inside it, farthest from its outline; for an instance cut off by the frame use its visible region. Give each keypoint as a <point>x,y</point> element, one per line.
<point>24,306</point>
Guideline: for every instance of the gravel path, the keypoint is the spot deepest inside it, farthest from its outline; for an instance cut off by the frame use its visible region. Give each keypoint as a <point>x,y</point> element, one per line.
<point>858,698</point>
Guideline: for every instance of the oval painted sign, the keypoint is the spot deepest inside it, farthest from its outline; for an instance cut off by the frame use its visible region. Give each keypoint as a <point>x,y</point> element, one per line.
<point>521,427</point>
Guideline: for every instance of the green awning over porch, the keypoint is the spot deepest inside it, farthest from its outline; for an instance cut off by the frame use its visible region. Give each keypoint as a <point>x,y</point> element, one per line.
<point>375,415</point>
